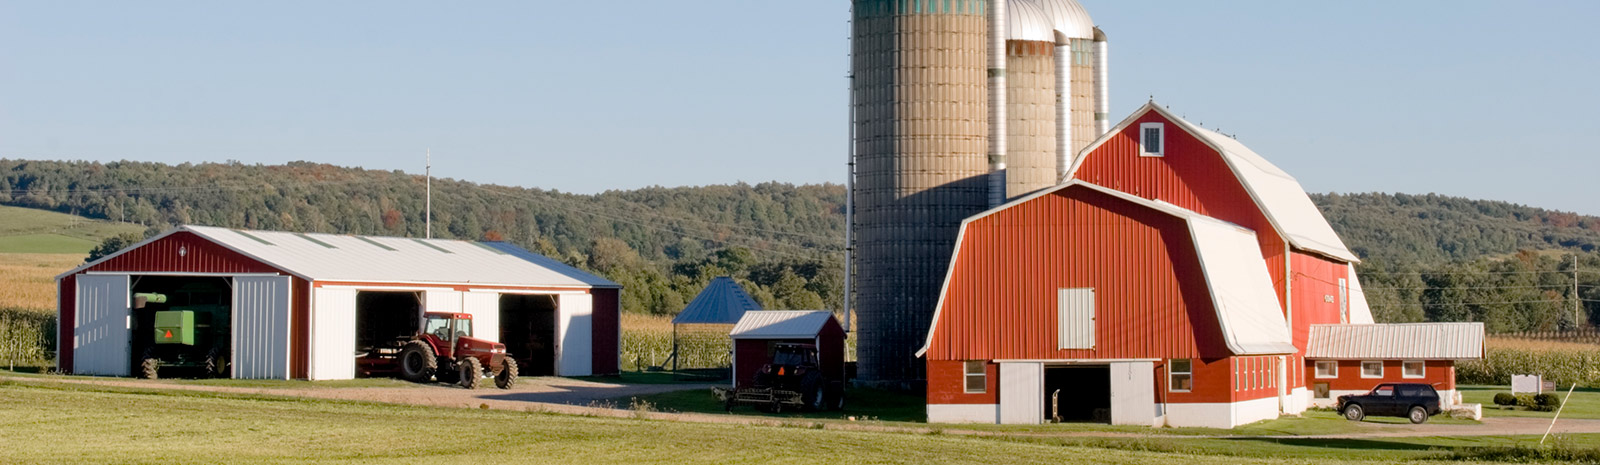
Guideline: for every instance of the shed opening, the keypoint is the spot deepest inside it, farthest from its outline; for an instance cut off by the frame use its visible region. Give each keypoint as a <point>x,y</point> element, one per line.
<point>385,320</point>
<point>1082,394</point>
<point>528,329</point>
<point>182,326</point>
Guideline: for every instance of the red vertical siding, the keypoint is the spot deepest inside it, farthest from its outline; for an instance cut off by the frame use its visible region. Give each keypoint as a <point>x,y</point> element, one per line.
<point>198,256</point>
<point>1192,175</point>
<point>1151,301</point>
<point>947,383</point>
<point>66,320</point>
<point>300,329</point>
<point>603,344</point>
<point>1439,373</point>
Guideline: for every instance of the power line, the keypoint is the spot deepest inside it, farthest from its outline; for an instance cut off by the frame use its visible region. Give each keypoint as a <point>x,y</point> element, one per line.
<point>1543,286</point>
<point>1435,304</point>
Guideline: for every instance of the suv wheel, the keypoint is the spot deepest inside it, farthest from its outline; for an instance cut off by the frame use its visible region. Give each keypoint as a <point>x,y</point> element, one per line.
<point>1418,415</point>
<point>1354,412</point>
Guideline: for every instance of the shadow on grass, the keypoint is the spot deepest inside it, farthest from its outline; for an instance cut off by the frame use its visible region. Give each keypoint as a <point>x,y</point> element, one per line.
<point>865,404</point>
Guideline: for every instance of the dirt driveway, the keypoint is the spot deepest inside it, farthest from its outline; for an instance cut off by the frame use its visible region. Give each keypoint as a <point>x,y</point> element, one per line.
<point>577,397</point>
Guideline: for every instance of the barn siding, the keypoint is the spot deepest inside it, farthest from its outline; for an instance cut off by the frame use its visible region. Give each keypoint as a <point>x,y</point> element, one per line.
<point>1192,175</point>
<point>1439,373</point>
<point>607,331</point>
<point>66,318</point>
<point>1001,298</point>
<point>198,256</point>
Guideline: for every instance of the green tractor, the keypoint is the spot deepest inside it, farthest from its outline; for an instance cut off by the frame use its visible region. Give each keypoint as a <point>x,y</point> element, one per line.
<point>192,335</point>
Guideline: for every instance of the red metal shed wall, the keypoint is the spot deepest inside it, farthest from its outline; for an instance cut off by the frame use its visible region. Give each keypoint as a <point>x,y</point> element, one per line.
<point>66,319</point>
<point>1151,298</point>
<point>604,344</point>
<point>1439,373</point>
<point>1192,175</point>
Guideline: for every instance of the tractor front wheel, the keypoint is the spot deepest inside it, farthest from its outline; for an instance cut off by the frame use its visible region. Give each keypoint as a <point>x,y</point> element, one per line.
<point>217,363</point>
<point>149,365</point>
<point>507,377</point>
<point>471,373</point>
<point>418,362</point>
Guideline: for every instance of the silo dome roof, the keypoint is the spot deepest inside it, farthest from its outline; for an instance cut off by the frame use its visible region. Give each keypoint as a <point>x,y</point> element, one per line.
<point>1025,20</point>
<point>1068,17</point>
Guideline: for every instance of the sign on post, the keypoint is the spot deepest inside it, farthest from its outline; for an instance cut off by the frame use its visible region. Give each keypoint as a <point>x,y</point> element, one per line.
<point>1529,384</point>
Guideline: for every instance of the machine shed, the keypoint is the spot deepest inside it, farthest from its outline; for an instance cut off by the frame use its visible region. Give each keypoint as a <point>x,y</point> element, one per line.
<point>300,305</point>
<point>758,332</point>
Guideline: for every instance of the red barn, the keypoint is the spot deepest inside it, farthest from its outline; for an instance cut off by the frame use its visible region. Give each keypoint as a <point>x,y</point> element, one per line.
<point>1169,244</point>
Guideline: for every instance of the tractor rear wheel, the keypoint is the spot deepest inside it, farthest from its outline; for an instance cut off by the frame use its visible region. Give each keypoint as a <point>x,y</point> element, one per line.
<point>507,377</point>
<point>148,364</point>
<point>418,362</point>
<point>217,363</point>
<point>471,373</point>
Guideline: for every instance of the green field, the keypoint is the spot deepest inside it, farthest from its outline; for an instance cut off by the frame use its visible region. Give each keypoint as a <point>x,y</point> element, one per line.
<point>28,230</point>
<point>119,425</point>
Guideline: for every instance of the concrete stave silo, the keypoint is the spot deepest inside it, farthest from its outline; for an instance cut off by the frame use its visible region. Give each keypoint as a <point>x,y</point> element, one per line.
<point>1031,156</point>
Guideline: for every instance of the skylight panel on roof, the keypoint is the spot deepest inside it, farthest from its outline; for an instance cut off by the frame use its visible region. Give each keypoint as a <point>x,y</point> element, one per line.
<point>257,239</point>
<point>314,241</point>
<point>431,246</point>
<point>375,243</point>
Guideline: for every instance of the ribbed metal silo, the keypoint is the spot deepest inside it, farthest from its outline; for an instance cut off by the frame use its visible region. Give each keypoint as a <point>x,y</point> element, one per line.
<point>1076,80</point>
<point>921,121</point>
<point>1030,99</point>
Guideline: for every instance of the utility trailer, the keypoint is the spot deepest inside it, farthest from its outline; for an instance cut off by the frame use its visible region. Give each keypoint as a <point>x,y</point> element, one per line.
<point>792,379</point>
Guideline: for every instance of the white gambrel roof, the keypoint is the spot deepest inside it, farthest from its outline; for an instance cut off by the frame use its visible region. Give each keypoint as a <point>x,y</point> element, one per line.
<point>374,259</point>
<point>1415,341</point>
<point>781,324</point>
<point>1279,195</point>
<point>1230,257</point>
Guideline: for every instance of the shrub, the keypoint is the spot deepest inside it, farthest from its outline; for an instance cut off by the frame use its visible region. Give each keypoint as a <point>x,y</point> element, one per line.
<point>1547,402</point>
<point>1505,398</point>
<point>1526,401</point>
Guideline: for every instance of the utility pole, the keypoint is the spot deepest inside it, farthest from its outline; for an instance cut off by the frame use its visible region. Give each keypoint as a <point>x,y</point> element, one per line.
<point>428,214</point>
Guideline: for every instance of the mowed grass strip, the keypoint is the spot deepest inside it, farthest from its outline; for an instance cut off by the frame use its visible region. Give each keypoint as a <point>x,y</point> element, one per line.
<point>71,424</point>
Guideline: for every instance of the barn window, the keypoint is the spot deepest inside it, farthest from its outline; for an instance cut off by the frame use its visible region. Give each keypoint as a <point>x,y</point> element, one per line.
<point>1322,391</point>
<point>1327,369</point>
<point>976,372</point>
<point>1182,374</point>
<point>1371,369</point>
<point>1152,139</point>
<point>1413,369</point>
<point>1075,318</point>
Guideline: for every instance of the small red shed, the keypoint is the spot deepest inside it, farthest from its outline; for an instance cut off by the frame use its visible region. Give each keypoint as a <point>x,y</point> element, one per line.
<point>759,331</point>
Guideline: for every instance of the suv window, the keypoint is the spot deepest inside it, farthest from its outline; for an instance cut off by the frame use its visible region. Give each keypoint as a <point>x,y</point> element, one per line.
<point>1410,391</point>
<point>1383,391</point>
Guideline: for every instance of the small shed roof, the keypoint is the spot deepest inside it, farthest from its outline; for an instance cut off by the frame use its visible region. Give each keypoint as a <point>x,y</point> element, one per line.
<point>1420,341</point>
<point>722,302</point>
<point>338,257</point>
<point>782,324</point>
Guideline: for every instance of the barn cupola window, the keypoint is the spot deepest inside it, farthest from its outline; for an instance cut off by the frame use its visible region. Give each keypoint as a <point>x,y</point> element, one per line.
<point>1152,140</point>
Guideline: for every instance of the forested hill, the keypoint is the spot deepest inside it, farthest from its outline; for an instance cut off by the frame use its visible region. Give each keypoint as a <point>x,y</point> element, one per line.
<point>785,242</point>
<point>1431,229</point>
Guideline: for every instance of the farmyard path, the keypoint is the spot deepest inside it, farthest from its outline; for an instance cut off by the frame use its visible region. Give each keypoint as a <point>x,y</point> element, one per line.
<point>576,397</point>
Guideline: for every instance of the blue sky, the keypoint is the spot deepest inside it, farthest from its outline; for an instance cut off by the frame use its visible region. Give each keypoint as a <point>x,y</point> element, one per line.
<point>1472,98</point>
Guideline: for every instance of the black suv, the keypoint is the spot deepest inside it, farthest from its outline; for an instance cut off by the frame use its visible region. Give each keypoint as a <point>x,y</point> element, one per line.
<point>1414,401</point>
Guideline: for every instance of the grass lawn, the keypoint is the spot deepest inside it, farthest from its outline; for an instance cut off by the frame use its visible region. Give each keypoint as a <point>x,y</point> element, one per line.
<point>45,243</point>
<point>1585,403</point>
<point>117,425</point>
<point>28,230</point>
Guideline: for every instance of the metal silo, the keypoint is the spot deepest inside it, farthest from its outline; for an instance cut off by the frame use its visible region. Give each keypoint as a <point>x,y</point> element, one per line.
<point>1031,152</point>
<point>1076,79</point>
<point>921,124</point>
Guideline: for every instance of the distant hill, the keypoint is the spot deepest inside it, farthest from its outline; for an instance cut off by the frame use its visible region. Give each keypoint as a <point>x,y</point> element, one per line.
<point>784,242</point>
<point>27,230</point>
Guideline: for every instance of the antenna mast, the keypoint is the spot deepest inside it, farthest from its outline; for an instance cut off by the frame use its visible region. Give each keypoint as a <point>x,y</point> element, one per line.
<point>428,215</point>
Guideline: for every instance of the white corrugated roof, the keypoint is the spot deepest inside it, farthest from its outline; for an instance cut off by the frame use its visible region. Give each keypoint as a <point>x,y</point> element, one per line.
<point>335,257</point>
<point>781,324</point>
<point>1280,196</point>
<point>1236,275</point>
<point>1417,341</point>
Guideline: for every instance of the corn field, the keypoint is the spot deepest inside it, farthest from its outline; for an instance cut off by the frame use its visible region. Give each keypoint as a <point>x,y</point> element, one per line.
<point>27,338</point>
<point>647,342</point>
<point>1563,362</point>
<point>29,279</point>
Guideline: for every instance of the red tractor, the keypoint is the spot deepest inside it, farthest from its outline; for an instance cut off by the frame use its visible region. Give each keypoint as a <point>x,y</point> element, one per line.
<point>446,350</point>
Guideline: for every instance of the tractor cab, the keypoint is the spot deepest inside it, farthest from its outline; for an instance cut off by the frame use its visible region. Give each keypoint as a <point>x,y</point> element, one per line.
<point>450,334</point>
<point>789,367</point>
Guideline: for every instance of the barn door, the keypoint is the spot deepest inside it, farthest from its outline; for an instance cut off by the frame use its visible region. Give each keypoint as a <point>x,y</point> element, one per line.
<point>101,326</point>
<point>261,327</point>
<point>1021,393</point>
<point>333,333</point>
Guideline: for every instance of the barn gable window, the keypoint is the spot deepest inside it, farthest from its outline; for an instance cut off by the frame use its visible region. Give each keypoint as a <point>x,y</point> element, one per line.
<point>975,377</point>
<point>1075,318</point>
<point>1182,374</point>
<point>1152,139</point>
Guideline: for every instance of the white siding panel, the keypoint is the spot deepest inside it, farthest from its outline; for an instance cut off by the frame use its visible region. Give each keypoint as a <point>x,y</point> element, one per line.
<point>1133,386</point>
<point>1021,393</point>
<point>333,333</point>
<point>435,300</point>
<point>485,310</point>
<point>577,334</point>
<point>100,329</point>
<point>261,327</point>
<point>1076,318</point>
